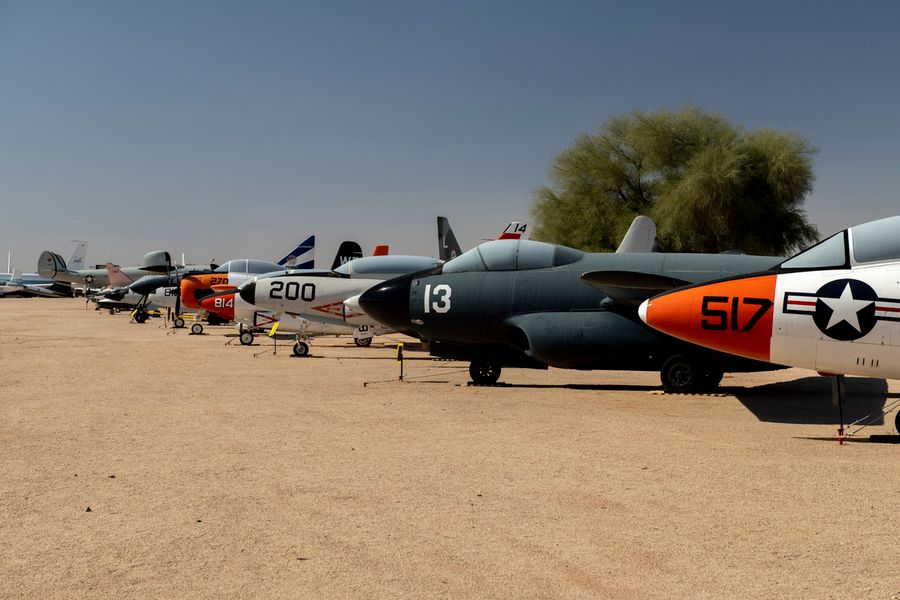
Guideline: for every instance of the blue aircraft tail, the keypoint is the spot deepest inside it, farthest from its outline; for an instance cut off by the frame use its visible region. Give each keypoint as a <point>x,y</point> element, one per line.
<point>301,257</point>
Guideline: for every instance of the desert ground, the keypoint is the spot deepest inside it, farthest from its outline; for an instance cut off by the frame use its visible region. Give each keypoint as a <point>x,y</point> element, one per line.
<point>213,470</point>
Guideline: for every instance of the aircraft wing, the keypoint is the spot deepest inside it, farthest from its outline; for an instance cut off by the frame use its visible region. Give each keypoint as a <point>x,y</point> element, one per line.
<point>630,288</point>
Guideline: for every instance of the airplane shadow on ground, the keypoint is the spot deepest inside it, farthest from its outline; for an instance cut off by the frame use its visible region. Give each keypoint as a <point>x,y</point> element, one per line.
<point>808,400</point>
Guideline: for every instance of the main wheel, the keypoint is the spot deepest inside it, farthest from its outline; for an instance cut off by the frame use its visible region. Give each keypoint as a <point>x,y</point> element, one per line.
<point>179,323</point>
<point>140,316</point>
<point>301,349</point>
<point>197,328</point>
<point>897,422</point>
<point>710,378</point>
<point>484,374</point>
<point>680,375</point>
<point>363,342</point>
<point>112,311</point>
<point>246,338</point>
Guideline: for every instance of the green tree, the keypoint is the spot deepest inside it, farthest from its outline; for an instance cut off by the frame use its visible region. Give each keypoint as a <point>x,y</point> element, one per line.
<point>709,185</point>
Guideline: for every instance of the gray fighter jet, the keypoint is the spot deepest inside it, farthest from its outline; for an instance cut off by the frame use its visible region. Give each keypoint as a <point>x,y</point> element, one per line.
<point>522,303</point>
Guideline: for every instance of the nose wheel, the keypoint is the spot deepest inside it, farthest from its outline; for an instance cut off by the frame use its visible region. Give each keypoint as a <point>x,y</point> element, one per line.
<point>246,338</point>
<point>363,342</point>
<point>301,348</point>
<point>196,328</point>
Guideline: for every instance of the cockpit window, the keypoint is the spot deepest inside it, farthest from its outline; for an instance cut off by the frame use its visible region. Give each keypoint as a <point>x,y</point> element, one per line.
<point>465,263</point>
<point>876,241</point>
<point>831,253</point>
<point>242,265</point>
<point>512,255</point>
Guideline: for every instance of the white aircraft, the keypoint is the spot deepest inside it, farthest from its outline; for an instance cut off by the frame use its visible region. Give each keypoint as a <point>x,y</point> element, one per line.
<point>834,308</point>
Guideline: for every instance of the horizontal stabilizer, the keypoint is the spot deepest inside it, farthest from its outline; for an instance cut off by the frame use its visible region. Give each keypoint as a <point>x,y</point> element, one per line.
<point>630,288</point>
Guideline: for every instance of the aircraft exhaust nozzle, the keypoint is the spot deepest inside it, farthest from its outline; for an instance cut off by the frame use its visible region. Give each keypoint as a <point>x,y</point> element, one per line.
<point>388,302</point>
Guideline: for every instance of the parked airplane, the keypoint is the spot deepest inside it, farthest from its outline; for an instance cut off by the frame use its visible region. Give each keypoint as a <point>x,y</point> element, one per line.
<point>523,303</point>
<point>331,298</point>
<point>834,308</point>
<point>15,284</point>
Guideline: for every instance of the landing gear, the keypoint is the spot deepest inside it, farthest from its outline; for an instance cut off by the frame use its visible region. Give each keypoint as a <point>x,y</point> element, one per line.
<point>246,338</point>
<point>680,375</point>
<point>897,422</point>
<point>484,374</point>
<point>140,316</point>
<point>178,323</point>
<point>363,342</point>
<point>197,328</point>
<point>301,348</point>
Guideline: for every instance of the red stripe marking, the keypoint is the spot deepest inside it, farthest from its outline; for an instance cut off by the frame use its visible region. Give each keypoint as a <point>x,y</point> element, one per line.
<point>887,309</point>
<point>802,302</point>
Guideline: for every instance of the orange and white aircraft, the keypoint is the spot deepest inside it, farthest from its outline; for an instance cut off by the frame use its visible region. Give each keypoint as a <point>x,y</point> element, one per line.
<point>834,308</point>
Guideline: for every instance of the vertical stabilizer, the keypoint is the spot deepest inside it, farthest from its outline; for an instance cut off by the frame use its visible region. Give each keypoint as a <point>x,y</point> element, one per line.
<point>347,252</point>
<point>381,250</point>
<point>448,247</point>
<point>117,279</point>
<point>16,277</point>
<point>514,231</point>
<point>640,237</point>
<point>76,263</point>
<point>301,257</point>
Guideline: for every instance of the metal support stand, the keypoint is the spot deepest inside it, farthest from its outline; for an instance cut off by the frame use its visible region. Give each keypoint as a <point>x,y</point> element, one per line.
<point>838,392</point>
<point>400,358</point>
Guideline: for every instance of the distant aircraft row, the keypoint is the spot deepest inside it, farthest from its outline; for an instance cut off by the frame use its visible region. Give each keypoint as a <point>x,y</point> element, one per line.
<point>514,302</point>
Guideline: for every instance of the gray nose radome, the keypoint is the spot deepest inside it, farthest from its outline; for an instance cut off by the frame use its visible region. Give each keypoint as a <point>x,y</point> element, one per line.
<point>388,302</point>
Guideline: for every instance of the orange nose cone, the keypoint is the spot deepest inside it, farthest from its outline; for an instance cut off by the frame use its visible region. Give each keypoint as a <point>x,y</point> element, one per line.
<point>732,316</point>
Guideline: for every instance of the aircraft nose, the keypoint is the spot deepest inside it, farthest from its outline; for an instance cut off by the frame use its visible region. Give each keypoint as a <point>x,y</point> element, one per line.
<point>248,292</point>
<point>388,302</point>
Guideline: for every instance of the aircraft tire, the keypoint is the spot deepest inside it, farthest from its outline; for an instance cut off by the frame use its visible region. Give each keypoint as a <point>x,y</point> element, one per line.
<point>363,342</point>
<point>484,374</point>
<point>179,323</point>
<point>197,328</point>
<point>140,317</point>
<point>112,311</point>
<point>301,349</point>
<point>897,422</point>
<point>680,375</point>
<point>710,378</point>
<point>246,338</point>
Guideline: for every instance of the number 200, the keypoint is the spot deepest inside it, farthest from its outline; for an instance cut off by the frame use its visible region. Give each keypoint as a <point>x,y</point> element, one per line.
<point>292,291</point>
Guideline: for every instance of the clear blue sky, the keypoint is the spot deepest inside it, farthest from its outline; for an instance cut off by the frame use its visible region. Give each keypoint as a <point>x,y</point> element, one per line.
<point>232,129</point>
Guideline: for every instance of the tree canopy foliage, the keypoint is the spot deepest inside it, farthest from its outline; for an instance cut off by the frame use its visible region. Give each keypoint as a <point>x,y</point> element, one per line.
<point>709,185</point>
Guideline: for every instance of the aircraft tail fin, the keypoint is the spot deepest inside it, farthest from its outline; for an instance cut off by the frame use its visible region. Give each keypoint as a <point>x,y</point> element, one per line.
<point>50,264</point>
<point>640,237</point>
<point>117,279</point>
<point>15,277</point>
<point>514,231</point>
<point>347,252</point>
<point>301,257</point>
<point>77,261</point>
<point>381,250</point>
<point>448,247</point>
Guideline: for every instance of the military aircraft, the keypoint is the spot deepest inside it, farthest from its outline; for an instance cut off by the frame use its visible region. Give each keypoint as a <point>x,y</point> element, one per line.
<point>834,308</point>
<point>523,303</point>
<point>15,284</point>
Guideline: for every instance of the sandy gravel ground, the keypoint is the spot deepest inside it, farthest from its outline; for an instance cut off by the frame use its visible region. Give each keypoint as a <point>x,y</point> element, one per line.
<point>212,473</point>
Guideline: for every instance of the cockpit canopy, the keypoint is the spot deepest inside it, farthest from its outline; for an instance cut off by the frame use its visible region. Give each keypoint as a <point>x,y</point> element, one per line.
<point>876,241</point>
<point>512,255</point>
<point>244,265</point>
